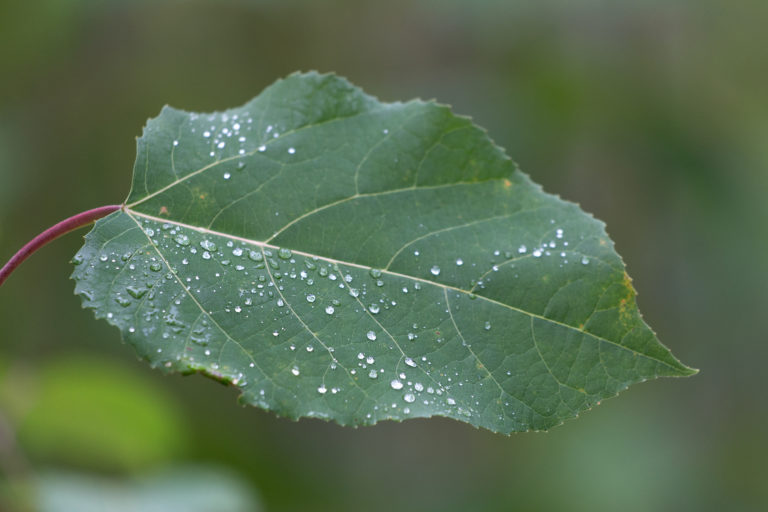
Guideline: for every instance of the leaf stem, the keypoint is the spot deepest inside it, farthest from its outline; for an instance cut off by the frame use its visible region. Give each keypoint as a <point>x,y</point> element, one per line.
<point>54,232</point>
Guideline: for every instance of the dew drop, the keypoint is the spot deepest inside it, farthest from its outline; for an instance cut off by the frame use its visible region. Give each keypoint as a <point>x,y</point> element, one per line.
<point>284,253</point>
<point>584,260</point>
<point>435,270</point>
<point>295,370</point>
<point>459,262</point>
<point>255,256</point>
<point>311,298</point>
<point>409,397</point>
<point>371,335</point>
<point>329,310</point>
<point>373,374</point>
<point>322,390</point>
<point>182,239</point>
<point>262,148</point>
<point>227,175</point>
<point>410,362</point>
<point>396,384</point>
<point>487,326</point>
<point>375,273</point>
<point>374,308</point>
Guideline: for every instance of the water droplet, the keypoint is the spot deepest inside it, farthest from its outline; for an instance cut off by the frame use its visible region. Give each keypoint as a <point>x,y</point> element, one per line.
<point>450,401</point>
<point>409,397</point>
<point>373,374</point>
<point>396,384</point>
<point>322,390</point>
<point>374,308</point>
<point>522,249</point>
<point>559,233</point>
<point>310,348</point>
<point>371,335</point>
<point>584,260</point>
<point>284,253</point>
<point>206,134</point>
<point>311,298</point>
<point>182,239</point>
<point>255,256</point>
<point>227,175</point>
<point>206,255</point>
<point>175,143</point>
<point>275,334</point>
<point>375,273</point>
<point>435,270</point>
<point>487,326</point>
<point>155,266</point>
<point>295,370</point>
<point>209,246</point>
<point>459,262</point>
<point>329,310</point>
<point>537,253</point>
<point>411,336</point>
<point>136,292</point>
<point>291,150</point>
<point>410,362</point>
<point>262,148</point>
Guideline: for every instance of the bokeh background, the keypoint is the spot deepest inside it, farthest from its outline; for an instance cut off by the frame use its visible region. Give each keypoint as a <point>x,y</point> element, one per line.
<point>653,115</point>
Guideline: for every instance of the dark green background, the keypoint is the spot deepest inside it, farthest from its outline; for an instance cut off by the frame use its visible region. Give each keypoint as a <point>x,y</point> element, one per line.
<point>653,115</point>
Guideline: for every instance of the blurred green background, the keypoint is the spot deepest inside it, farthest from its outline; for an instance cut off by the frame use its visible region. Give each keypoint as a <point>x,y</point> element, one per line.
<point>653,115</point>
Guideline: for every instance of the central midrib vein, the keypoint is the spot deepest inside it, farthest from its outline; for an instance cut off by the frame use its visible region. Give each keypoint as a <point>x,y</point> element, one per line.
<point>257,243</point>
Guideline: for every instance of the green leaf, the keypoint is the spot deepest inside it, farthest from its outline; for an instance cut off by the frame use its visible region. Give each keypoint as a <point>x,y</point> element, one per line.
<point>337,257</point>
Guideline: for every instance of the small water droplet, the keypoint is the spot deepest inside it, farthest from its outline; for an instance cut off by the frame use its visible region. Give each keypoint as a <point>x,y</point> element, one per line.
<point>227,175</point>
<point>136,292</point>
<point>435,270</point>
<point>373,374</point>
<point>311,298</point>
<point>284,253</point>
<point>295,370</point>
<point>375,273</point>
<point>155,266</point>
<point>262,148</point>
<point>374,308</point>
<point>584,260</point>
<point>396,384</point>
<point>459,262</point>
<point>255,256</point>
<point>410,362</point>
<point>182,239</point>
<point>371,335</point>
<point>322,390</point>
<point>329,310</point>
<point>487,326</point>
<point>409,397</point>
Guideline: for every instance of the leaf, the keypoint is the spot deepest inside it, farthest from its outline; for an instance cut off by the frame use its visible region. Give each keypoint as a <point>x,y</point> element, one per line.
<point>337,257</point>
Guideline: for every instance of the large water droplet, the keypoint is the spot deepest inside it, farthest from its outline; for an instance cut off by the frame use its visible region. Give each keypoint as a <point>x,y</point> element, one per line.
<point>284,253</point>
<point>208,246</point>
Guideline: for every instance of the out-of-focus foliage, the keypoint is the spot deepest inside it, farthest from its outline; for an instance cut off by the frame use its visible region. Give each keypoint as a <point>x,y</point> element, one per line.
<point>653,115</point>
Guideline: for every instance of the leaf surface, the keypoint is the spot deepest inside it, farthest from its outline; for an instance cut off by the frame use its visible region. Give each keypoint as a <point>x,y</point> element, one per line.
<point>338,257</point>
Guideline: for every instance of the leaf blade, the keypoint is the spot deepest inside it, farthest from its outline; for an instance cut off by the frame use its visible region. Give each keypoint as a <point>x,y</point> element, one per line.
<point>407,270</point>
